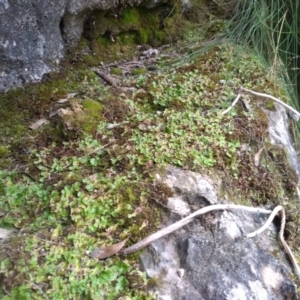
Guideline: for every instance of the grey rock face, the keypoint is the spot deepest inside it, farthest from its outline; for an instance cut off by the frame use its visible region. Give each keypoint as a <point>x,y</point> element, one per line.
<point>30,40</point>
<point>193,187</point>
<point>280,134</point>
<point>211,258</point>
<point>35,33</point>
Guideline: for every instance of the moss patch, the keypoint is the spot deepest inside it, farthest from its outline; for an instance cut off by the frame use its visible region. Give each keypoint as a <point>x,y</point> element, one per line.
<point>98,188</point>
<point>114,35</point>
<point>116,71</point>
<point>139,71</point>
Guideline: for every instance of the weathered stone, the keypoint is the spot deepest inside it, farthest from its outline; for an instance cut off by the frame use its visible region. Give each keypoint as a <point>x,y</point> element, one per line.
<point>193,187</point>
<point>35,34</point>
<point>280,134</point>
<point>30,40</point>
<point>216,259</point>
<point>219,263</point>
<point>179,206</point>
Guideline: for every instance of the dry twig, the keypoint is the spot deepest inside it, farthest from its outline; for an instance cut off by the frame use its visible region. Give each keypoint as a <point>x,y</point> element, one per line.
<point>167,230</point>
<point>243,90</point>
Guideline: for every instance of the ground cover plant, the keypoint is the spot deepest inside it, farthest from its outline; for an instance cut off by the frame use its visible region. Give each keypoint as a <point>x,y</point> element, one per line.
<point>98,187</point>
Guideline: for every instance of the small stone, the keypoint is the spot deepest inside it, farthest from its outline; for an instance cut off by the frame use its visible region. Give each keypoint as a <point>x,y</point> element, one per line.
<point>180,272</point>
<point>179,206</point>
<point>38,124</point>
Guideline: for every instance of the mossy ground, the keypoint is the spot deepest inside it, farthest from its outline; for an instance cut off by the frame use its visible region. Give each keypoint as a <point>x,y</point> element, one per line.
<point>68,194</point>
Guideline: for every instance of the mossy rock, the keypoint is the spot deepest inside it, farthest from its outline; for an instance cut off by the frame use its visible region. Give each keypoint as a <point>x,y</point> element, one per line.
<point>92,115</point>
<point>106,32</point>
<point>81,117</point>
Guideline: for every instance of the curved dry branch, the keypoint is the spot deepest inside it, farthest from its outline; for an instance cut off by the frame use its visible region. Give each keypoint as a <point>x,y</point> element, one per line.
<point>285,245</point>
<point>167,230</point>
<point>232,105</point>
<point>244,90</point>
<point>272,98</point>
<point>275,211</point>
<point>268,222</point>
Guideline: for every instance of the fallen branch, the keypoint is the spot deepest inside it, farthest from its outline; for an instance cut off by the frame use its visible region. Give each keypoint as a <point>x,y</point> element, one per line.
<point>285,245</point>
<point>243,90</point>
<point>114,125</point>
<point>272,98</point>
<point>232,105</point>
<point>109,79</point>
<point>167,230</point>
<point>275,211</point>
<point>266,225</point>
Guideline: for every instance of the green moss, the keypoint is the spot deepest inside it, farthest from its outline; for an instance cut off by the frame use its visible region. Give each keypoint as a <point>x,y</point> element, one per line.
<point>107,34</point>
<point>154,282</point>
<point>3,150</point>
<point>116,71</point>
<point>159,36</point>
<point>104,41</point>
<point>143,36</point>
<point>131,16</point>
<point>72,177</point>
<point>127,38</point>
<point>270,105</point>
<point>83,43</point>
<point>89,120</point>
<point>92,108</point>
<point>139,71</point>
<point>90,60</point>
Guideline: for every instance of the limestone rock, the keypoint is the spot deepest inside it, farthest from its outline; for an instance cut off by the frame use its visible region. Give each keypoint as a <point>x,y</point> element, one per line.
<point>280,134</point>
<point>30,40</point>
<point>35,34</point>
<point>193,187</point>
<point>215,259</point>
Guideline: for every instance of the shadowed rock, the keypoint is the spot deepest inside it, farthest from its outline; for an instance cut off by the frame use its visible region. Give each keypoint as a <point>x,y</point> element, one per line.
<point>35,34</point>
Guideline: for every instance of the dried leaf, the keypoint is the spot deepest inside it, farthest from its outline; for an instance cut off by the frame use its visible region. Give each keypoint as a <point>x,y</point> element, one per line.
<point>112,126</point>
<point>61,101</point>
<point>144,224</point>
<point>108,251</point>
<point>69,96</point>
<point>38,124</point>
<point>257,157</point>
